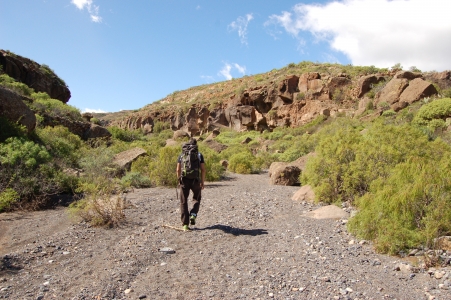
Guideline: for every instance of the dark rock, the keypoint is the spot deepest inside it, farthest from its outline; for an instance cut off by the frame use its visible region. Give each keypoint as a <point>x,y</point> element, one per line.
<point>34,75</point>
<point>15,110</point>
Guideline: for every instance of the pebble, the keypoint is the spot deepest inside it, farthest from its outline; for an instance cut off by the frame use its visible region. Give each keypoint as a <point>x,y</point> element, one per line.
<point>142,297</point>
<point>167,250</point>
<point>128,291</point>
<point>66,252</point>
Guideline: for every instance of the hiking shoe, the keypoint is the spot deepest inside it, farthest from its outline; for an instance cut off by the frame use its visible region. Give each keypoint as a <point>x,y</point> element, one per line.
<point>185,228</point>
<point>192,219</point>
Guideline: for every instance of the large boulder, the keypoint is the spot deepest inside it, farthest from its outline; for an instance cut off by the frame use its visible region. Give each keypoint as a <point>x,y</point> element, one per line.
<point>37,76</point>
<point>417,89</point>
<point>365,83</point>
<point>124,159</point>
<point>288,87</point>
<point>392,91</point>
<point>180,134</point>
<point>15,110</point>
<point>96,131</point>
<point>214,145</point>
<point>284,174</point>
<point>305,193</point>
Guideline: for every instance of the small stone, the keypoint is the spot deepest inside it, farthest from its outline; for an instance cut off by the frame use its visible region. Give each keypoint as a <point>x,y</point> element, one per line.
<point>167,250</point>
<point>295,289</point>
<point>439,275</point>
<point>46,283</point>
<point>351,242</point>
<point>40,297</point>
<point>349,290</point>
<point>271,295</point>
<point>142,297</point>
<point>128,291</point>
<point>51,261</point>
<point>66,252</point>
<point>163,264</point>
<point>442,286</point>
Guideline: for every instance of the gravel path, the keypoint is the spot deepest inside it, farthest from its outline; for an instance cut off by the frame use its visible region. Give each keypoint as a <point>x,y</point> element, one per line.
<point>251,241</point>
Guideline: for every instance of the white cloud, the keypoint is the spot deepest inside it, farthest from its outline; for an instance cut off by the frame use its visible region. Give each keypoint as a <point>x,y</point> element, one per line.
<point>226,71</point>
<point>90,110</point>
<point>240,69</point>
<point>92,9</point>
<point>240,25</point>
<point>378,32</point>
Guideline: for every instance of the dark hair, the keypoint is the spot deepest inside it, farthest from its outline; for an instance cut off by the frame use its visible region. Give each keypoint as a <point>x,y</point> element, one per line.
<point>192,141</point>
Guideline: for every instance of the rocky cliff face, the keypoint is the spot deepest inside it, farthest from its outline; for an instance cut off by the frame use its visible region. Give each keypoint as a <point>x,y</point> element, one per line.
<point>39,77</point>
<point>292,101</point>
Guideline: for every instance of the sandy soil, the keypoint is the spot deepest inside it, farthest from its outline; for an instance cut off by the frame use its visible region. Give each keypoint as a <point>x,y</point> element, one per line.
<point>251,241</point>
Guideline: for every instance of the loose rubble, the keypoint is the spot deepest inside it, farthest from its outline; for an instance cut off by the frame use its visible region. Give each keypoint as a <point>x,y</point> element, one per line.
<point>251,241</point>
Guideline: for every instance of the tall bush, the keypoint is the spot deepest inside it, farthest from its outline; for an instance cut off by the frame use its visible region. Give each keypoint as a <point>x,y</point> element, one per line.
<point>408,209</point>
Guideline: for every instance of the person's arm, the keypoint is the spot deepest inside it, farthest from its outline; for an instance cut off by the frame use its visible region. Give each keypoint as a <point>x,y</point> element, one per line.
<point>203,173</point>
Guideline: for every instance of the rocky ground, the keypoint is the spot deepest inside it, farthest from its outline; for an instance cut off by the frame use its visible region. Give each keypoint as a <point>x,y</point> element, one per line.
<point>251,241</point>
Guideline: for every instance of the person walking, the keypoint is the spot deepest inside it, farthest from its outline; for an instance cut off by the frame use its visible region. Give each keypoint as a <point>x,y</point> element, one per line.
<point>191,173</point>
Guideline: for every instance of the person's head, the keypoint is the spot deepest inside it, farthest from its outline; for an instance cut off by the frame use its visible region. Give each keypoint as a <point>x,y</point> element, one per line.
<point>192,141</point>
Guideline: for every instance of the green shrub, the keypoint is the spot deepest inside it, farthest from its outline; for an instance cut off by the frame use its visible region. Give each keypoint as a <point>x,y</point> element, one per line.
<point>12,84</point>
<point>43,104</point>
<point>163,167</point>
<point>27,168</point>
<point>408,209</point>
<point>389,113</point>
<point>95,121</point>
<point>126,135</point>
<point>347,161</point>
<point>137,180</point>
<point>437,109</point>
<point>214,170</point>
<point>61,143</point>
<point>244,163</point>
<point>7,197</point>
<point>160,126</point>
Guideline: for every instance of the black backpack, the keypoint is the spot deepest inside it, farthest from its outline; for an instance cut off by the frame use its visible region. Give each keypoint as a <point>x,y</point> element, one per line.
<point>190,161</point>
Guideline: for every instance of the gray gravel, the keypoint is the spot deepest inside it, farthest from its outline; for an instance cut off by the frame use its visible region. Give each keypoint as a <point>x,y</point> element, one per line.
<point>251,241</point>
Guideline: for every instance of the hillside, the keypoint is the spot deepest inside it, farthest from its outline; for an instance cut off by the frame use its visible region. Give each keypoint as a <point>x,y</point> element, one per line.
<point>289,97</point>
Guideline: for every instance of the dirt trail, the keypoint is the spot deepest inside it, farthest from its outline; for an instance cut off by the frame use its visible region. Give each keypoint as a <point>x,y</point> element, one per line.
<point>251,242</point>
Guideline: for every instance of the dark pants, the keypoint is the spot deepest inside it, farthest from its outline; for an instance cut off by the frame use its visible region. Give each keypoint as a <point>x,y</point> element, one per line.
<point>185,186</point>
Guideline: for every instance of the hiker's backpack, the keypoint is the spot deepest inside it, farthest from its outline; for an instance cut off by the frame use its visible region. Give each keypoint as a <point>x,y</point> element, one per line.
<point>190,161</point>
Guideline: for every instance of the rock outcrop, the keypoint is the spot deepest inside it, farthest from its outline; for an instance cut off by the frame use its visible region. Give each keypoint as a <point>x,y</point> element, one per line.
<point>291,101</point>
<point>39,77</point>
<point>13,108</point>
<point>124,159</point>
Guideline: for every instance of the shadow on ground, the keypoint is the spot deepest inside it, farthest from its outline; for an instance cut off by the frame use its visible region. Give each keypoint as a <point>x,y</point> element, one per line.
<point>235,231</point>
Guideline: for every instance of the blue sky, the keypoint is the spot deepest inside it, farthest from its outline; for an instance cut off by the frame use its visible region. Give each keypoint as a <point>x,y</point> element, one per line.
<point>118,54</point>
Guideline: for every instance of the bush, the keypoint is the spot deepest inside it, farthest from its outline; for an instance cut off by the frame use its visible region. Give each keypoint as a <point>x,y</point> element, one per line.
<point>62,144</point>
<point>100,203</point>
<point>137,180</point>
<point>437,109</point>
<point>7,197</point>
<point>26,168</point>
<point>347,161</point>
<point>213,167</point>
<point>126,135</point>
<point>43,104</point>
<point>410,208</point>
<point>244,163</point>
<point>163,167</point>
<point>18,87</point>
